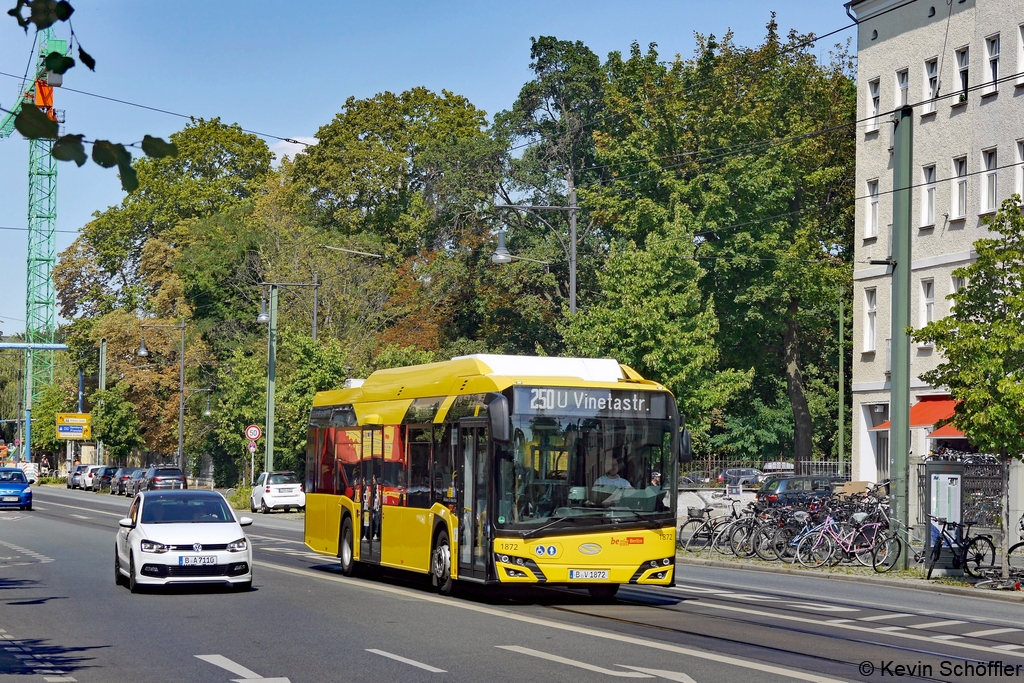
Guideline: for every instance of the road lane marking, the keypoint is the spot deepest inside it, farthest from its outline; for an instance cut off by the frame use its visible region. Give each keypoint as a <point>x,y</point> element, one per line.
<point>839,621</point>
<point>991,632</point>
<point>42,559</point>
<point>225,663</point>
<point>881,617</point>
<point>821,608</point>
<point>937,624</point>
<point>891,628</point>
<point>574,629</point>
<point>79,516</point>
<point>1008,647</point>
<point>573,662</point>
<point>98,512</point>
<point>952,640</point>
<point>406,660</point>
<point>669,675</point>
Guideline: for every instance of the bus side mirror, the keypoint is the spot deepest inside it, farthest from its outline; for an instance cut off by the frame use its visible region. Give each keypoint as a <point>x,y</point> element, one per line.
<point>497,409</point>
<point>685,448</point>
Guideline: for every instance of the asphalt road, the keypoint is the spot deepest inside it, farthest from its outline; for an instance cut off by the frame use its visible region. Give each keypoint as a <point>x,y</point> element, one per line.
<point>63,619</point>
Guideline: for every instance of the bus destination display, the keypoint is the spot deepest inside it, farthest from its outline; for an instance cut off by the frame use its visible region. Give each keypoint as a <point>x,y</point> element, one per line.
<point>578,402</point>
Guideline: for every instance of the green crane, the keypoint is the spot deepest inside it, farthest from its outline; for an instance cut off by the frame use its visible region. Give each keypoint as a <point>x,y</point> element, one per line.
<point>40,298</point>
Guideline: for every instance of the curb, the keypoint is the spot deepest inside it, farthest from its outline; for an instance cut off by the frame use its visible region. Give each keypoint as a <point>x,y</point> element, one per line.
<point>1003,596</point>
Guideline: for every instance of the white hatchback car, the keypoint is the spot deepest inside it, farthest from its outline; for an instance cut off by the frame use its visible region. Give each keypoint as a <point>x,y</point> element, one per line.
<point>87,475</point>
<point>277,491</point>
<point>182,536</point>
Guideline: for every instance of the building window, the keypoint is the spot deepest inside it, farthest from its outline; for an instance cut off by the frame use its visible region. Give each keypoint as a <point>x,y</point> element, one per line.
<point>1020,55</point>
<point>871,308</point>
<point>959,201</point>
<point>989,195</point>
<point>992,55</point>
<point>928,196</point>
<point>874,106</point>
<point>931,73</point>
<point>902,87</point>
<point>1020,170</point>
<point>871,227</point>
<point>963,60</point>
<point>927,301</point>
<point>957,283</point>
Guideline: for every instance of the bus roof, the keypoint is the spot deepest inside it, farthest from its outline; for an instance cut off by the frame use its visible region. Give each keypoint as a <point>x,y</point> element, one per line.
<point>481,373</point>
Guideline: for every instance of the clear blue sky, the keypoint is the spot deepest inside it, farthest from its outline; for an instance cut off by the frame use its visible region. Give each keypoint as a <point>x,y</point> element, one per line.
<point>286,69</point>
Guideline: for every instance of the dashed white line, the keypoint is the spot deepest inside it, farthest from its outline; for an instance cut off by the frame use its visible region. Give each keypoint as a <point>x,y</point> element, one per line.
<point>573,662</point>
<point>882,617</point>
<point>1008,647</point>
<point>991,632</point>
<point>406,660</point>
<point>937,624</point>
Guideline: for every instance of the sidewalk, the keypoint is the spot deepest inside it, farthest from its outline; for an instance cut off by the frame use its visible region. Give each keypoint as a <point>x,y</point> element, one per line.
<point>850,573</point>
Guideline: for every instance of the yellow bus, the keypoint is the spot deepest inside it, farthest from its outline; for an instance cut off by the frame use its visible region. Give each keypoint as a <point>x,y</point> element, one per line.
<point>499,469</point>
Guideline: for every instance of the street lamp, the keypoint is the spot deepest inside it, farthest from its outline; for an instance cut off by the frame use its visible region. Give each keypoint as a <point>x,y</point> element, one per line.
<point>143,352</point>
<point>270,319</point>
<point>570,249</point>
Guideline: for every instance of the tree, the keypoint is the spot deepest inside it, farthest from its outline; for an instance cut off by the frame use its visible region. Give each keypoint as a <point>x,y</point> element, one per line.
<point>652,315</point>
<point>982,346</point>
<point>53,399</point>
<point>115,421</point>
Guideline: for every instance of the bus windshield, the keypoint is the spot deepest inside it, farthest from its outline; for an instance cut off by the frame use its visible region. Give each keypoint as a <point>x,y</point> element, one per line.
<point>574,471</point>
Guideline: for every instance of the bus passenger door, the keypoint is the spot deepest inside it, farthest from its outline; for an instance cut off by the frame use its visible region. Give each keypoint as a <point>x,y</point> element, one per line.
<point>370,488</point>
<point>474,471</point>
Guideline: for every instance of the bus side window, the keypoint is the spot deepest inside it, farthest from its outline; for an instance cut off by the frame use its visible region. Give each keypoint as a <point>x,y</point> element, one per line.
<point>314,442</point>
<point>442,478</point>
<point>325,465</point>
<point>418,495</point>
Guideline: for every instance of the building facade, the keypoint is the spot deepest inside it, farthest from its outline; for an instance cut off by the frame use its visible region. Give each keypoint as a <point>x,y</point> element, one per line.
<point>961,67</point>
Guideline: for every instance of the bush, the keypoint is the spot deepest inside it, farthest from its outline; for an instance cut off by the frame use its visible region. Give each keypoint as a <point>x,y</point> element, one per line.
<point>239,500</point>
<point>52,481</point>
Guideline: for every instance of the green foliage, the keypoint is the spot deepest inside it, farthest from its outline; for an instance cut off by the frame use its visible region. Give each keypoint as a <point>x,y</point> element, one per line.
<point>241,498</point>
<point>981,341</point>
<point>52,399</point>
<point>115,420</point>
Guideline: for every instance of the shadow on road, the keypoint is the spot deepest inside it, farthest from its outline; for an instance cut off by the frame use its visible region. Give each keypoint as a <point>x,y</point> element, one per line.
<point>16,583</point>
<point>38,656</point>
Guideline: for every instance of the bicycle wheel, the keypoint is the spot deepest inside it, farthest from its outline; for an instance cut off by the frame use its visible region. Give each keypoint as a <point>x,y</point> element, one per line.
<point>863,546</point>
<point>981,552</point>
<point>687,530</point>
<point>721,537</point>
<point>763,539</point>
<point>814,550</point>
<point>934,556</point>
<point>741,539</point>
<point>1015,558</point>
<point>700,539</point>
<point>886,553</point>
<point>784,542</point>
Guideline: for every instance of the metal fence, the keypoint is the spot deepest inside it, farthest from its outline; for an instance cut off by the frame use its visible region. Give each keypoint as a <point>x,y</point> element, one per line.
<point>713,465</point>
<point>981,495</point>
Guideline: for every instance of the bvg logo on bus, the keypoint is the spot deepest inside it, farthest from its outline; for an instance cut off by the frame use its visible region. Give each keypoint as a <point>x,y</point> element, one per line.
<point>590,549</point>
<point>628,540</point>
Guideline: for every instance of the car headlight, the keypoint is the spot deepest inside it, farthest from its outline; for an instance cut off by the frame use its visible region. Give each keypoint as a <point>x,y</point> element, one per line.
<point>154,547</point>
<point>239,546</point>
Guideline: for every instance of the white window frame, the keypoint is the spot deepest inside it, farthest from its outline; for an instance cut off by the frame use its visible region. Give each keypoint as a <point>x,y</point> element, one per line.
<point>874,104</point>
<point>992,64</point>
<point>927,301</point>
<point>963,63</point>
<point>902,87</point>
<point>1020,54</point>
<point>1020,170</point>
<point>928,192</point>
<point>931,84</point>
<point>955,285</point>
<point>958,202</point>
<point>990,191</point>
<point>870,319</point>
<point>871,215</point>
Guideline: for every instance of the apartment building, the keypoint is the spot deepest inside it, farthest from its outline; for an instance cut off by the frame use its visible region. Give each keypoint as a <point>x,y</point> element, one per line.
<point>961,66</point>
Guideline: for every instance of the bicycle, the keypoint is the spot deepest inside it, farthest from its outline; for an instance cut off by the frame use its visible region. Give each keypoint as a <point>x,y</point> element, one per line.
<point>697,533</point>
<point>888,550</point>
<point>822,544</point>
<point>993,578</point>
<point>970,553</point>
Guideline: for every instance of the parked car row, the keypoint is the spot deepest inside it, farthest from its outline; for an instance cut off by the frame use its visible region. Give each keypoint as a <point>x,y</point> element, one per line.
<point>126,481</point>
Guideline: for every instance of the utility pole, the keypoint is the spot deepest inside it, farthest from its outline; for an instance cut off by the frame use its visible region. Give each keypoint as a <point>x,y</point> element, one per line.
<point>572,243</point>
<point>899,412</point>
<point>102,385</point>
<point>842,387</point>
<point>316,304</point>
<point>271,378</point>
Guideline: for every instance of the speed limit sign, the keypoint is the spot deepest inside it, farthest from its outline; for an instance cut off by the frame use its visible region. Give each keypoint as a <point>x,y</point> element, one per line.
<point>253,432</point>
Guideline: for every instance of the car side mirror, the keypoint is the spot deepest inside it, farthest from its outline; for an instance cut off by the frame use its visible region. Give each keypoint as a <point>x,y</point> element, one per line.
<point>685,447</point>
<point>126,523</point>
<point>245,521</point>
<point>497,410</point>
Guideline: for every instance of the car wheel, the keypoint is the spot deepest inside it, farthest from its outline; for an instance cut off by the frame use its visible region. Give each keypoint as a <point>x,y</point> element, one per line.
<point>252,505</point>
<point>133,585</point>
<point>29,507</point>
<point>243,587</point>
<point>345,548</point>
<point>263,507</point>
<point>441,565</point>
<point>118,579</point>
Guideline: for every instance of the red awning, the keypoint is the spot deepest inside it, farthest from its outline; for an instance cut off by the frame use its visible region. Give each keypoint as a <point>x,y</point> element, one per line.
<point>926,412</point>
<point>947,432</point>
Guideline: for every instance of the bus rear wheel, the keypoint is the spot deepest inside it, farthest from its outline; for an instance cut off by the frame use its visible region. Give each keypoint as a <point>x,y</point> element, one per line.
<point>441,564</point>
<point>603,591</point>
<point>345,548</point>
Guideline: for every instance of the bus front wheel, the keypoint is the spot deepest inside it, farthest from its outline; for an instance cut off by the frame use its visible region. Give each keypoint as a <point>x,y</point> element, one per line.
<point>441,564</point>
<point>345,548</point>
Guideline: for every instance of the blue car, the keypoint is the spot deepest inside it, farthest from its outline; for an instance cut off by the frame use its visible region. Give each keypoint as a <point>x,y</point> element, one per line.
<point>14,489</point>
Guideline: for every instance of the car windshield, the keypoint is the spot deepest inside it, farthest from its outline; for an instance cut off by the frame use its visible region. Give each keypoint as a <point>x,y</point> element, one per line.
<point>169,472</point>
<point>179,509</point>
<point>771,485</point>
<point>585,471</point>
<point>13,476</point>
<point>284,478</point>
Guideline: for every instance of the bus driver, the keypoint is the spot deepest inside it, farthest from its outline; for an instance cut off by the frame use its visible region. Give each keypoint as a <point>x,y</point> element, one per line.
<point>611,474</point>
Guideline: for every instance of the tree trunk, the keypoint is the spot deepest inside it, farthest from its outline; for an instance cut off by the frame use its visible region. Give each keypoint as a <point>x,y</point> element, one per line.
<point>803,428</point>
